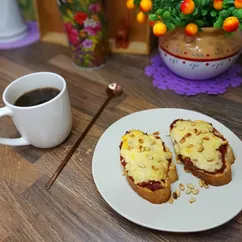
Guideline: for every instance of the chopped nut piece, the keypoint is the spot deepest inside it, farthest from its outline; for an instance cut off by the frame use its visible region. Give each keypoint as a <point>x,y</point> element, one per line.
<point>167,149</point>
<point>178,193</point>
<point>131,135</point>
<point>89,150</point>
<point>201,183</point>
<point>130,147</point>
<point>216,133</point>
<point>182,140</point>
<point>206,138</point>
<point>150,157</point>
<point>190,146</point>
<point>175,195</point>
<point>171,200</point>
<point>186,170</point>
<point>141,141</point>
<point>201,148</point>
<point>178,161</point>
<point>154,168</point>
<point>195,131</point>
<point>189,190</point>
<point>195,191</point>
<point>210,159</point>
<point>142,165</point>
<point>200,141</point>
<point>162,184</point>
<point>192,200</point>
<point>156,133</point>
<point>182,187</point>
<point>190,185</point>
<point>153,142</point>
<point>198,132</point>
<point>206,185</point>
<point>225,142</point>
<point>188,135</point>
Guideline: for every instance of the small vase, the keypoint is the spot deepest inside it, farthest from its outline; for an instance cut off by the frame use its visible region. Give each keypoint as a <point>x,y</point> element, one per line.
<point>207,55</point>
<point>86,30</point>
<point>12,25</point>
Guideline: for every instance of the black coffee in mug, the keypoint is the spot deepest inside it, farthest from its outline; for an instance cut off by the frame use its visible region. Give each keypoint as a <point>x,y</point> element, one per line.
<point>36,97</point>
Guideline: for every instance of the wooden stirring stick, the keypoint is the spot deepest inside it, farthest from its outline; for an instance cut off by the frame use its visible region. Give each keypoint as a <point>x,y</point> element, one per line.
<point>113,90</point>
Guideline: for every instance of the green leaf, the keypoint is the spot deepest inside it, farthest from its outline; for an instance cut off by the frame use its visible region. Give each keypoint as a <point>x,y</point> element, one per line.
<point>213,13</point>
<point>218,23</point>
<point>159,12</point>
<point>224,14</point>
<point>199,23</point>
<point>171,26</point>
<point>153,17</point>
<point>166,15</point>
<point>195,12</point>
<point>204,12</point>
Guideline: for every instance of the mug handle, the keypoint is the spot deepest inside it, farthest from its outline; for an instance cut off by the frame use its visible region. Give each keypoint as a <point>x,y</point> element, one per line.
<point>5,111</point>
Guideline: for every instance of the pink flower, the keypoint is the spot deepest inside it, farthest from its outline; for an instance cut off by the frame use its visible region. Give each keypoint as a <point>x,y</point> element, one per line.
<point>92,29</point>
<point>72,34</point>
<point>95,7</point>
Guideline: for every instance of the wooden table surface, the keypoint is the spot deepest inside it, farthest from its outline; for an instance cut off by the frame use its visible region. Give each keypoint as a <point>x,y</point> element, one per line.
<point>73,210</point>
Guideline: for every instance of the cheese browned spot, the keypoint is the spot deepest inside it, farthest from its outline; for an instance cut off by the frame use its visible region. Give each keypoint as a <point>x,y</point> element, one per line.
<point>201,147</point>
<point>147,160</point>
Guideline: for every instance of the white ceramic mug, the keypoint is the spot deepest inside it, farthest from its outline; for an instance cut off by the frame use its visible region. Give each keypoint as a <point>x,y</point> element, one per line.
<point>45,125</point>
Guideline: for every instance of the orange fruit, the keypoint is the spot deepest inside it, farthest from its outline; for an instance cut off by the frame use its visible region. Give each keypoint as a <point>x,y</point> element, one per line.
<point>231,24</point>
<point>191,29</point>
<point>238,3</point>
<point>141,17</point>
<point>159,29</point>
<point>146,5</point>
<point>187,7</point>
<point>130,4</point>
<point>218,4</point>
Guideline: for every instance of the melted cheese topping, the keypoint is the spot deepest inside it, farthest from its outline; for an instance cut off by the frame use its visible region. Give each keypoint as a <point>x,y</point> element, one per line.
<point>144,156</point>
<point>201,146</point>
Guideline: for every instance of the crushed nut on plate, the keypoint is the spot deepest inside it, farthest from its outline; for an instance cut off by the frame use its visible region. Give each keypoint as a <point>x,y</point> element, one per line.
<point>190,185</point>
<point>201,183</point>
<point>189,190</point>
<point>206,185</point>
<point>195,191</point>
<point>178,193</point>
<point>186,170</point>
<point>182,187</point>
<point>156,133</point>
<point>192,200</point>
<point>171,200</point>
<point>175,195</point>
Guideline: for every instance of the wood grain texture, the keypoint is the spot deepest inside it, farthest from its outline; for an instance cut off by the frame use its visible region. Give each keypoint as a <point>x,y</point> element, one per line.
<point>73,210</point>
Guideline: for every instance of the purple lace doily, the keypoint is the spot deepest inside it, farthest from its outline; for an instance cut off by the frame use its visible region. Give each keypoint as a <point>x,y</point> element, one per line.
<point>164,79</point>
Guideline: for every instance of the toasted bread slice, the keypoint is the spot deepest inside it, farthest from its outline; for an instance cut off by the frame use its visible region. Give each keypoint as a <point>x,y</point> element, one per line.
<point>203,151</point>
<point>148,166</point>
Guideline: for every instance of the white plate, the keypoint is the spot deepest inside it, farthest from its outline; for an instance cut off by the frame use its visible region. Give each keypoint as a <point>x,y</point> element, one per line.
<point>214,206</point>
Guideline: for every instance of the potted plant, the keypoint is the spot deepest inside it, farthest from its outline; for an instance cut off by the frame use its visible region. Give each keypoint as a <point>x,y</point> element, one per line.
<point>198,39</point>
